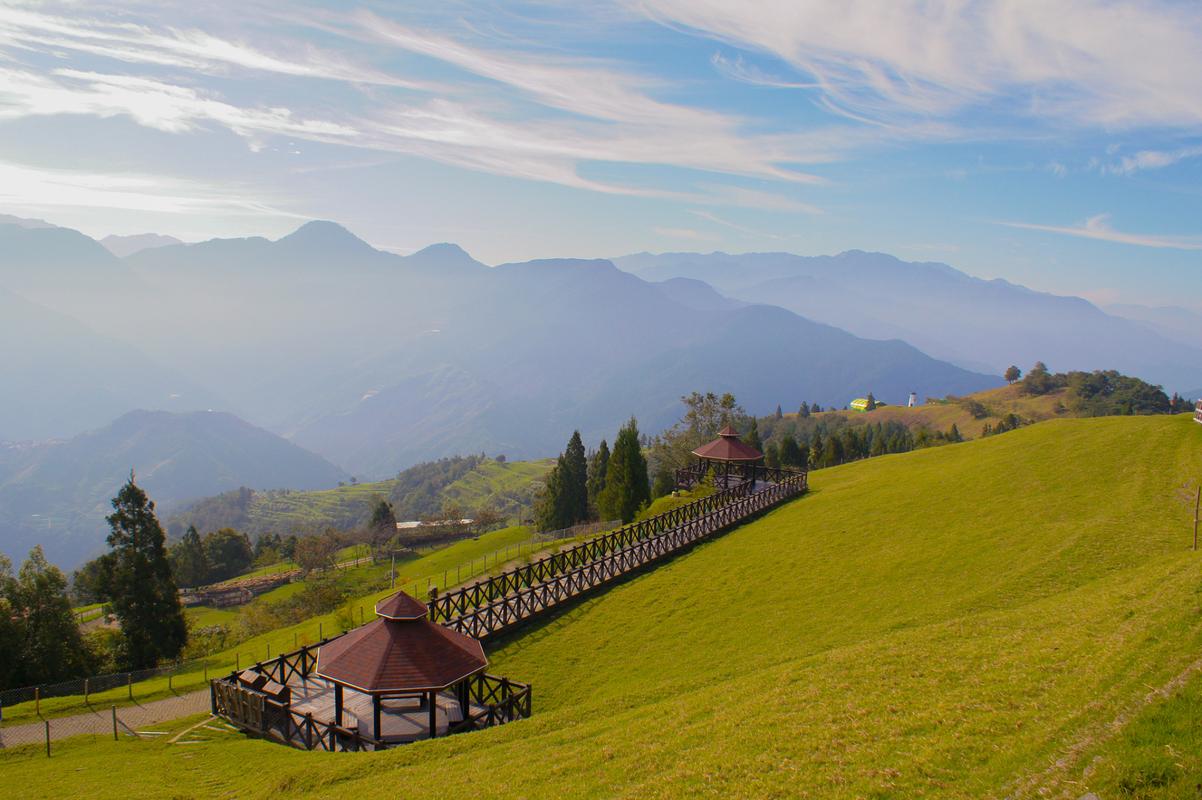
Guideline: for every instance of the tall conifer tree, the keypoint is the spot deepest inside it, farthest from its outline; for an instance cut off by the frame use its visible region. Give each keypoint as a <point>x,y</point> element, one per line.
<point>597,466</point>
<point>145,598</point>
<point>626,484</point>
<point>575,478</point>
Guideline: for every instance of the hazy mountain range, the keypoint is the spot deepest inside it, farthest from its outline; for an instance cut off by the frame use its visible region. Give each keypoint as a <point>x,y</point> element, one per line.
<point>377,361</point>
<point>57,493</point>
<point>979,324</point>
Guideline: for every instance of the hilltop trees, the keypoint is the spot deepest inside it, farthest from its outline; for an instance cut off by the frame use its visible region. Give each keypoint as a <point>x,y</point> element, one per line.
<point>597,467</point>
<point>565,501</point>
<point>189,563</point>
<point>871,404</point>
<point>1012,374</point>
<point>229,553</point>
<point>51,648</point>
<point>39,639</point>
<point>143,592</point>
<point>626,487</point>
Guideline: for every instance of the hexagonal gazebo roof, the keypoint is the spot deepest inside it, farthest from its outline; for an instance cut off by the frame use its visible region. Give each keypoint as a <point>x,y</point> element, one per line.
<point>400,651</point>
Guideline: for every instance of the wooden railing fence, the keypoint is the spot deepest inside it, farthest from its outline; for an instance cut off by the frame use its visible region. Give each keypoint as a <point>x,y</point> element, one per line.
<point>500,603</point>
<point>518,596</point>
<point>460,602</point>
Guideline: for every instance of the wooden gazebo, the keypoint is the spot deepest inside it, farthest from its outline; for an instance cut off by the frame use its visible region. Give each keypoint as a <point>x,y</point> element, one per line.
<point>726,455</point>
<point>406,660</point>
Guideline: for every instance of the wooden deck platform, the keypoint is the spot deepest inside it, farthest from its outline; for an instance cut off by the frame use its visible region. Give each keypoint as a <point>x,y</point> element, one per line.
<point>402,719</point>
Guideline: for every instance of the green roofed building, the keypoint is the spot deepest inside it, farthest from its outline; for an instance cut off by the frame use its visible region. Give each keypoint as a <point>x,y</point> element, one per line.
<point>861,404</point>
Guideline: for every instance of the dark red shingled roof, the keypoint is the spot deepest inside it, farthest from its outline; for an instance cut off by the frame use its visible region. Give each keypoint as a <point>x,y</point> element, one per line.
<point>401,607</point>
<point>727,447</point>
<point>388,655</point>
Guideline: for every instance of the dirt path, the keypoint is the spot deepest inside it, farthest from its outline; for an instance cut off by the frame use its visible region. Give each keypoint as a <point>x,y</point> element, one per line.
<point>100,721</point>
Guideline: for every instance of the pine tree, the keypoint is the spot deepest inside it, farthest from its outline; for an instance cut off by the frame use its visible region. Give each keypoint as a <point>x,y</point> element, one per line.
<point>953,435</point>
<point>804,410</point>
<point>752,436</point>
<point>596,475</point>
<point>871,403</point>
<point>626,488</point>
<point>52,648</point>
<point>549,512</point>
<point>575,477</point>
<point>145,598</point>
<point>778,411</point>
<point>188,561</point>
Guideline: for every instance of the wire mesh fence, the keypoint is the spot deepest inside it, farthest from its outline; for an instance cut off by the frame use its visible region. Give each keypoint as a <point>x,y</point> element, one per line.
<point>102,722</point>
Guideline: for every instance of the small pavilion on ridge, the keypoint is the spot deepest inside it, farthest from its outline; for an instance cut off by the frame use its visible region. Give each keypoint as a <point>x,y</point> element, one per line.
<point>726,455</point>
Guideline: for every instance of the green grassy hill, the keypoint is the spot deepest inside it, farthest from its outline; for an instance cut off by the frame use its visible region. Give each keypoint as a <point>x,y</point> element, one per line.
<point>509,486</point>
<point>965,621</point>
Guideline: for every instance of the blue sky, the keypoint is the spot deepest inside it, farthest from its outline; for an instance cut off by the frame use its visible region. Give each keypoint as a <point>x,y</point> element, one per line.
<point>1058,145</point>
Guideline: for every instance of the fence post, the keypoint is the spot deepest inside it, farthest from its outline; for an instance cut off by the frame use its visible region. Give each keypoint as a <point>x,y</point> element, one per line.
<point>47,738</point>
<point>87,685</point>
<point>114,723</point>
<point>237,661</point>
<point>37,701</point>
<point>129,676</point>
<point>321,635</point>
<point>269,651</point>
<point>170,687</point>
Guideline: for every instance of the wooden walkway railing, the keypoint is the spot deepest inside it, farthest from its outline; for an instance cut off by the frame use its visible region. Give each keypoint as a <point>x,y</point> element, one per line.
<point>499,604</point>
<point>518,596</point>
<point>460,602</point>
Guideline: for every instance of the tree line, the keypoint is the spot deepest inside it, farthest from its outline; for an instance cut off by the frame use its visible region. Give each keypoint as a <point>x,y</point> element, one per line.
<point>601,485</point>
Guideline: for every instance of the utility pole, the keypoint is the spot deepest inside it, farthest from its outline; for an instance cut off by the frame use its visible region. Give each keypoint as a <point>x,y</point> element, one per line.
<point>1197,502</point>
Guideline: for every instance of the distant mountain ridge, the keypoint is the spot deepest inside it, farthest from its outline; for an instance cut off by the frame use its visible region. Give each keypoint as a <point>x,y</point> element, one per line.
<point>122,246</point>
<point>980,324</point>
<point>379,361</point>
<point>57,493</point>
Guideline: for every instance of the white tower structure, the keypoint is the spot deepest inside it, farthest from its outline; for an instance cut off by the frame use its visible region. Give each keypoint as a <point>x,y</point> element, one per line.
<point>913,401</point>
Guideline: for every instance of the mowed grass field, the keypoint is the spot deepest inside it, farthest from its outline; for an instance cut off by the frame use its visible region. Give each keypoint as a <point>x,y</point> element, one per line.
<point>964,621</point>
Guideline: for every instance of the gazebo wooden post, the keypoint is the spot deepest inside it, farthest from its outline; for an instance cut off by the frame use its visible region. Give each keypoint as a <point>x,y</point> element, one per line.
<point>375,715</point>
<point>338,704</point>
<point>433,713</point>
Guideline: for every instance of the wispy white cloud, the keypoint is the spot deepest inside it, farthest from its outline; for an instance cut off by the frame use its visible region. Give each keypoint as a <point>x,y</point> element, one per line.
<point>28,187</point>
<point>1151,159</point>
<point>152,103</point>
<point>1086,62</point>
<point>1097,227</point>
<point>191,49</point>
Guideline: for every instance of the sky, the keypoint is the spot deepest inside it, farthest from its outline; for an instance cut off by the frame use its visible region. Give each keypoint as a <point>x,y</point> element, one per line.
<point>1056,145</point>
